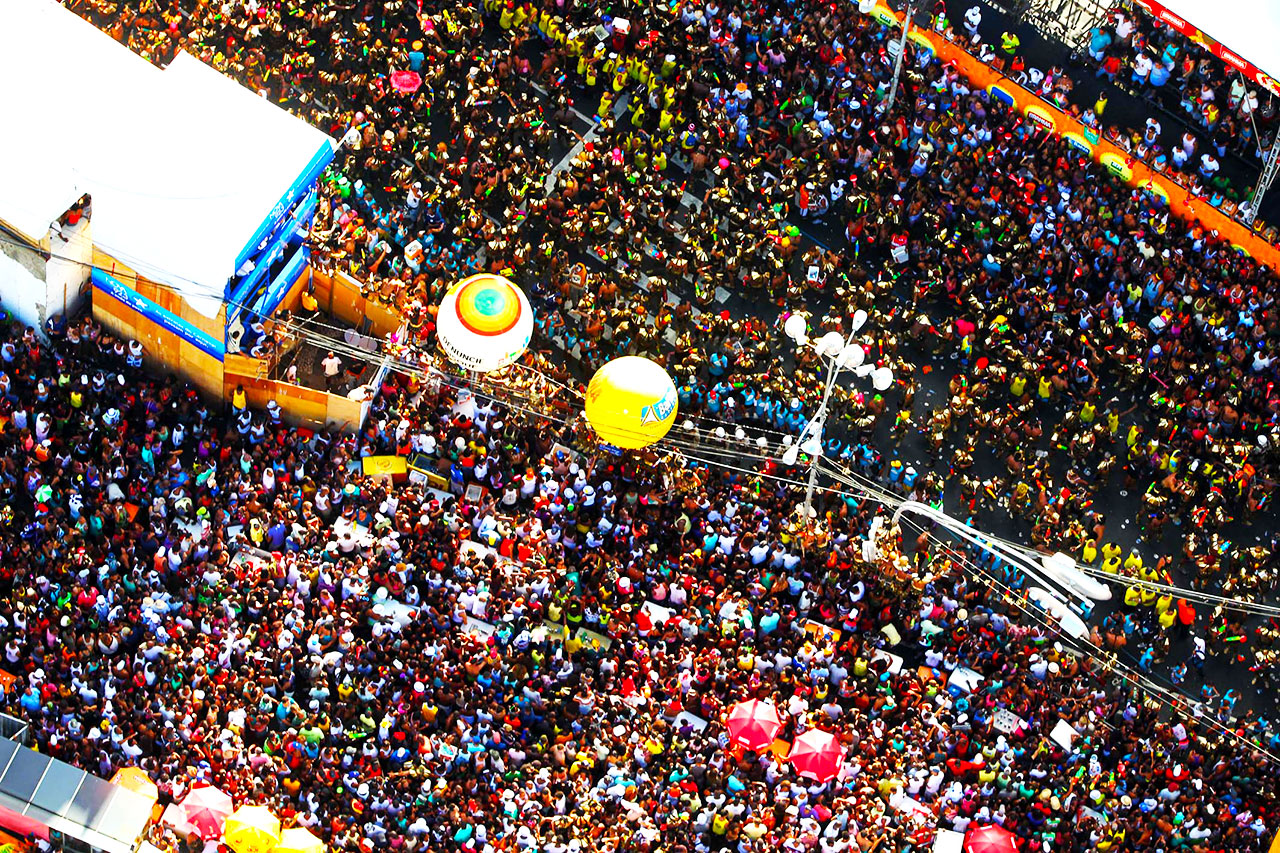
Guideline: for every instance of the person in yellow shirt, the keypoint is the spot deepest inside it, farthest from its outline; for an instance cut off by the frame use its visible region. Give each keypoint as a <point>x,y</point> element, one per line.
<point>659,157</point>
<point>640,70</point>
<point>666,119</point>
<point>1018,387</point>
<point>1089,554</point>
<point>1133,562</point>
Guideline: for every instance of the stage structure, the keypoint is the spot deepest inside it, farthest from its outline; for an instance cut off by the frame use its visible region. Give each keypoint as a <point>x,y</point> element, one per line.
<point>175,199</point>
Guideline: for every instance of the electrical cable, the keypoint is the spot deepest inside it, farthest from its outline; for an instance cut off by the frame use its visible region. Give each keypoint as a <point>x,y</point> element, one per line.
<point>1169,697</point>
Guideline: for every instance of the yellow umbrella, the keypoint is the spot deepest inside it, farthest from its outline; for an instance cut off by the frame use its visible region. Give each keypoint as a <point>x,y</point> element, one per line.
<point>299,840</point>
<point>251,829</point>
<point>136,779</point>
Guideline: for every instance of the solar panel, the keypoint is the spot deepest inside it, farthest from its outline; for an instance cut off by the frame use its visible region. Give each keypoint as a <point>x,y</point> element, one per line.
<point>127,815</point>
<point>8,749</point>
<point>24,774</point>
<point>90,802</point>
<point>58,788</point>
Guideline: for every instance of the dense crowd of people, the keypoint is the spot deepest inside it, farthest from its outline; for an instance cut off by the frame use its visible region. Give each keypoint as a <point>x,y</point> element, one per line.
<point>227,600</point>
<point>1151,59</point>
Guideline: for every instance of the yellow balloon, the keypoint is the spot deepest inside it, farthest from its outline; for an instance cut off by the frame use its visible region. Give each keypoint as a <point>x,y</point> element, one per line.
<point>631,402</point>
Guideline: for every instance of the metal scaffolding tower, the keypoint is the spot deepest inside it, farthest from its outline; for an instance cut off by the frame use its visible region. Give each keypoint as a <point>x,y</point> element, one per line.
<point>1269,170</point>
<point>1065,21</point>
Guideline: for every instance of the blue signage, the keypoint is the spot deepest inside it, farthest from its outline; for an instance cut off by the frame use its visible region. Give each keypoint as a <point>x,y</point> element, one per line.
<point>262,237</point>
<point>157,314</point>
<point>280,285</point>
<point>661,410</point>
<point>245,292</point>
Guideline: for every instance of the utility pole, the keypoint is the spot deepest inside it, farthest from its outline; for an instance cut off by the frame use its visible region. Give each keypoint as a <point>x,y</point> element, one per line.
<point>902,49</point>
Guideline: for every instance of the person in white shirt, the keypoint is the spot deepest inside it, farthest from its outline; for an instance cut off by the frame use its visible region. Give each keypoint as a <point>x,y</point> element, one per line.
<point>1124,27</point>
<point>1142,66</point>
<point>332,366</point>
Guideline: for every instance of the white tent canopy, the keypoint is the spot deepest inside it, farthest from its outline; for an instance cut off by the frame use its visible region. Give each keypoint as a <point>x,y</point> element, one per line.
<point>1249,28</point>
<point>184,164</point>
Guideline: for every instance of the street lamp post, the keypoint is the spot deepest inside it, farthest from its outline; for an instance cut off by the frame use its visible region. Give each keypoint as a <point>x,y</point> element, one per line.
<point>839,353</point>
<point>902,49</point>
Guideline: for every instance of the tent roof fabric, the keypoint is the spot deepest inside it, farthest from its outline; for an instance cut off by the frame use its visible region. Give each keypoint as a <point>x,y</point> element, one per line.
<point>1246,27</point>
<point>183,164</point>
<point>71,801</point>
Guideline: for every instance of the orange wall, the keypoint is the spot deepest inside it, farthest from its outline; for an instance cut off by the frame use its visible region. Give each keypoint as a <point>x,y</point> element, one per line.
<point>340,295</point>
<point>163,350</point>
<point>1122,164</point>
<point>304,406</point>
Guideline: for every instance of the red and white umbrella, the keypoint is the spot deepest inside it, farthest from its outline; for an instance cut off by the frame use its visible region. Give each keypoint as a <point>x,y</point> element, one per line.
<point>816,755</point>
<point>990,839</point>
<point>406,82</point>
<point>753,724</point>
<point>206,809</point>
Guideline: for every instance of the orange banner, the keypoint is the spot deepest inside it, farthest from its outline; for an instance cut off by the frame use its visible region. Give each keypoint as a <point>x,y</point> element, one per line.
<point>1118,162</point>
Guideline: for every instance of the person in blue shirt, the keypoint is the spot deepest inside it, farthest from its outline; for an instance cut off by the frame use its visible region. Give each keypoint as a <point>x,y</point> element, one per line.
<point>718,364</point>
<point>686,395</point>
<point>714,399</point>
<point>1159,74</point>
<point>1099,41</point>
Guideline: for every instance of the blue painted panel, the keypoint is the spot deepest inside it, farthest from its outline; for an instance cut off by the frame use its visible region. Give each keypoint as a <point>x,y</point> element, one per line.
<point>280,285</point>
<point>305,180</point>
<point>245,292</point>
<point>161,316</point>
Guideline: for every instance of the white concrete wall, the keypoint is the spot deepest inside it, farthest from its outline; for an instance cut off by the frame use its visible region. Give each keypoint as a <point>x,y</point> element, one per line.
<point>22,294</point>
<point>67,271</point>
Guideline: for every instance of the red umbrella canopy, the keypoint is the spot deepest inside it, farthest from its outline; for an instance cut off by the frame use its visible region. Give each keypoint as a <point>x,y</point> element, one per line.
<point>990,839</point>
<point>206,809</point>
<point>406,81</point>
<point>754,724</point>
<point>816,755</point>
